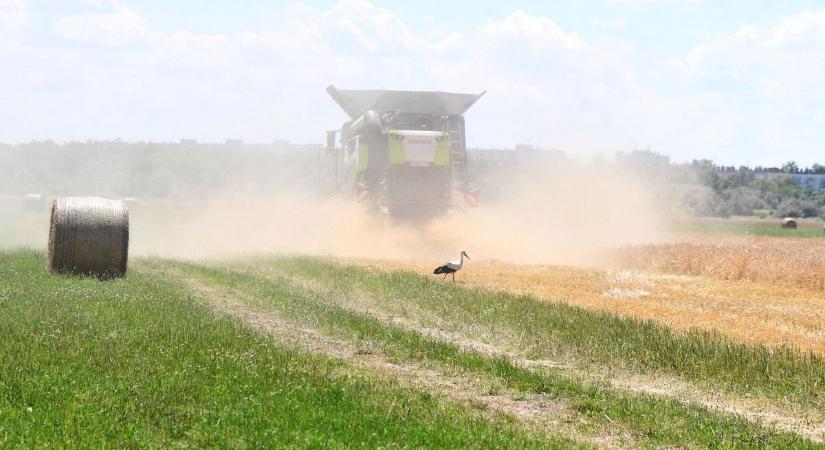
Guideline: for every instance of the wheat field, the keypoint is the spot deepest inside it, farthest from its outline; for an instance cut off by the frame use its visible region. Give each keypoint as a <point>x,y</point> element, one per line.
<point>792,262</point>
<point>759,290</point>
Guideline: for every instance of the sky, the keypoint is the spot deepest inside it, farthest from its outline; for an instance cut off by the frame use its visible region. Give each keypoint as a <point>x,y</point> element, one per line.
<point>736,81</point>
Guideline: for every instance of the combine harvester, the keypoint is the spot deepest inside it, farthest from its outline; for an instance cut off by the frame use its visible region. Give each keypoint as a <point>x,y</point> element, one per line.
<point>403,153</point>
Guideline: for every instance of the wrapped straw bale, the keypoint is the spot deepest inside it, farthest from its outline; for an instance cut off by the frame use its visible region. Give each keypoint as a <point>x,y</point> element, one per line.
<point>89,236</point>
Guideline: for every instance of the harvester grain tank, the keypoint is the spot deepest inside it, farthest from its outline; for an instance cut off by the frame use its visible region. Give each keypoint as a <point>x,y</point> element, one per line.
<point>402,152</point>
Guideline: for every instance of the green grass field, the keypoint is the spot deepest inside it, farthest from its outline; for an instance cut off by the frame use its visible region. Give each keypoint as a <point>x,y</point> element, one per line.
<point>155,360</point>
<point>137,363</point>
<point>749,227</point>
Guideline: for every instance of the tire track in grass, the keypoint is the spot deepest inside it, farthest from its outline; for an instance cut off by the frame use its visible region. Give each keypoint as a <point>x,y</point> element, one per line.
<point>809,424</point>
<point>537,411</point>
<point>652,420</point>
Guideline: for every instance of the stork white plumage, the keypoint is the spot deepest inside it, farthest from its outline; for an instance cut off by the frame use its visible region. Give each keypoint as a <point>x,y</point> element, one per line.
<point>451,267</point>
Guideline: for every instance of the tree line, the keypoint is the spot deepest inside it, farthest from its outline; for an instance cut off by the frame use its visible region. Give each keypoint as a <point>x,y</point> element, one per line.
<point>704,189</point>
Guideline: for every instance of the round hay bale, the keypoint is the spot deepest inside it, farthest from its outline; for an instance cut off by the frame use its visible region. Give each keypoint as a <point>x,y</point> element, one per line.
<point>789,222</point>
<point>89,236</point>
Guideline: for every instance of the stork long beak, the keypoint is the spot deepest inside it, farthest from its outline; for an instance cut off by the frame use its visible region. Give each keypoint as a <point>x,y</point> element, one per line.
<point>468,256</point>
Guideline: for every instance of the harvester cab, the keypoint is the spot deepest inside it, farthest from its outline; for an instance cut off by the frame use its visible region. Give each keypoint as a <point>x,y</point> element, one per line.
<point>402,152</point>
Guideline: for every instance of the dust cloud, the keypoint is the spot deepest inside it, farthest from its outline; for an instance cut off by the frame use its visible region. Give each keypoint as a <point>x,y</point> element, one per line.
<point>214,200</point>
<point>559,216</point>
<point>547,216</point>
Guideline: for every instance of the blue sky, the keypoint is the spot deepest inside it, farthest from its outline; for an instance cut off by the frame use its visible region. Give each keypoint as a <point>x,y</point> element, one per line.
<point>735,81</point>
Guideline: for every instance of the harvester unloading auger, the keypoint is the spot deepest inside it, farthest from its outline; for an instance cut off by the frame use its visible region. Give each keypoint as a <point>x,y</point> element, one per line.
<point>402,152</point>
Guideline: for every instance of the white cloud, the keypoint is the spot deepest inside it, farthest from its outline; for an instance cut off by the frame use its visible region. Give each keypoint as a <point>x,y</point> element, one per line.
<point>115,74</point>
<point>12,4</point>
<point>653,2</point>
<point>793,49</point>
<point>553,86</point>
<point>119,27</point>
<point>13,15</point>
<point>540,33</point>
<point>546,84</point>
<point>378,28</point>
<point>767,81</point>
<point>122,27</point>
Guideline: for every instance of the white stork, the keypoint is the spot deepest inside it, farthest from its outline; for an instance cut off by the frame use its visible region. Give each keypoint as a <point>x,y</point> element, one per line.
<point>451,267</point>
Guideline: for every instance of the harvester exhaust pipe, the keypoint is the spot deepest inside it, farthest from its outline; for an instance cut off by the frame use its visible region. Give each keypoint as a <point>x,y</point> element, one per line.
<point>331,135</point>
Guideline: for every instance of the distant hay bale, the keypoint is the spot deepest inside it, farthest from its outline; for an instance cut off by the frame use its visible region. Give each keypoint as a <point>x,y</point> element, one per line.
<point>89,236</point>
<point>789,222</point>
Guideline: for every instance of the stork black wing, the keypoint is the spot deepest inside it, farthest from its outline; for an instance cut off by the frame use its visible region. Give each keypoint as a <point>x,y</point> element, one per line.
<point>443,269</point>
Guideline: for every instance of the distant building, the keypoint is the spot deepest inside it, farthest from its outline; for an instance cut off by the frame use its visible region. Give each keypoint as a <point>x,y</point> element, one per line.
<point>814,181</point>
<point>643,160</point>
<point>492,155</point>
<point>521,153</point>
<point>234,142</point>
